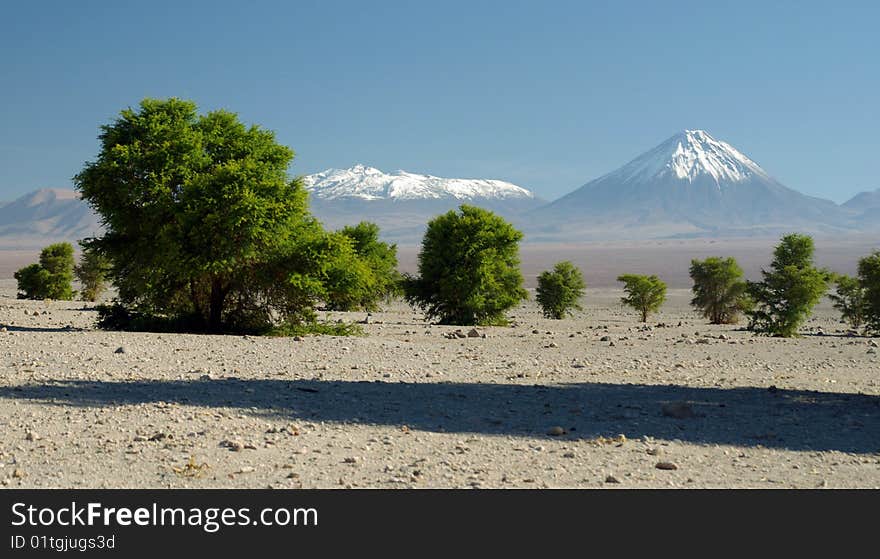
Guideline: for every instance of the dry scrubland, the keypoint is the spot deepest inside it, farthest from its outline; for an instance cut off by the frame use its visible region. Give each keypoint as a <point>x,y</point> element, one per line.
<point>670,259</point>
<point>602,262</point>
<point>592,401</point>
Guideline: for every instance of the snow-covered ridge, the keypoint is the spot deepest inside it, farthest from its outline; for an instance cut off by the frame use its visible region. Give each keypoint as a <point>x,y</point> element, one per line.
<point>689,155</point>
<point>368,183</point>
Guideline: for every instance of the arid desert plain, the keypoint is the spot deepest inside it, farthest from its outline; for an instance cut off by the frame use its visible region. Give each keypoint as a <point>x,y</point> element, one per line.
<point>597,400</point>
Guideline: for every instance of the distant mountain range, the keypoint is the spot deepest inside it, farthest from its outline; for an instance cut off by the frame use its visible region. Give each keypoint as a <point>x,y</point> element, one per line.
<point>866,206</point>
<point>46,216</point>
<point>402,203</point>
<point>690,185</point>
<point>368,183</point>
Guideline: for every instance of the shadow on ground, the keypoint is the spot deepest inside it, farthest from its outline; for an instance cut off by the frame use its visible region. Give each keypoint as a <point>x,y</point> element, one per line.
<point>47,329</point>
<point>746,416</point>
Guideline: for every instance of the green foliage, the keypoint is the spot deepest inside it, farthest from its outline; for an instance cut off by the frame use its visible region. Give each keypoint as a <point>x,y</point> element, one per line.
<point>719,290</point>
<point>869,278</point>
<point>367,274</point>
<point>645,294</point>
<point>560,290</point>
<point>50,278</point>
<point>468,268</point>
<point>789,291</point>
<point>203,225</point>
<point>91,272</point>
<point>33,281</point>
<point>850,299</point>
<point>325,328</point>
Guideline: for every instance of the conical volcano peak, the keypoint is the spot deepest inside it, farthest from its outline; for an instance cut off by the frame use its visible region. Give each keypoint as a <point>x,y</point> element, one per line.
<point>696,135</point>
<point>691,155</point>
<point>689,184</point>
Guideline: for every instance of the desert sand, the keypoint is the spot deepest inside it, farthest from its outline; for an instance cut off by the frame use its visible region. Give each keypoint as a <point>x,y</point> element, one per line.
<point>595,400</point>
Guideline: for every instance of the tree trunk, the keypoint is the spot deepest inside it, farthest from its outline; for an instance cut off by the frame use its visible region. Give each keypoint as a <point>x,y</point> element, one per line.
<point>215,310</point>
<point>194,297</point>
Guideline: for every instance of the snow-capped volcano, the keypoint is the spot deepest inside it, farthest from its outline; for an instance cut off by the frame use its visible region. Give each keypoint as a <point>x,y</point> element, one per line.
<point>690,184</point>
<point>691,155</point>
<point>368,183</point>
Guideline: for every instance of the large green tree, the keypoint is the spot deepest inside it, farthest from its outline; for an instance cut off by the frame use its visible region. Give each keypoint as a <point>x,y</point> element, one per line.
<point>468,268</point>
<point>645,294</point>
<point>869,278</point>
<point>785,297</point>
<point>51,277</point>
<point>560,290</point>
<point>202,221</point>
<point>719,290</point>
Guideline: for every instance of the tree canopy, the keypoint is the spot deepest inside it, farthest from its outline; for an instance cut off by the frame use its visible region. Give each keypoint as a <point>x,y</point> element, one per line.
<point>468,268</point>
<point>559,290</point>
<point>645,294</point>
<point>719,290</point>
<point>869,279</point>
<point>789,290</point>
<point>369,275</point>
<point>849,297</point>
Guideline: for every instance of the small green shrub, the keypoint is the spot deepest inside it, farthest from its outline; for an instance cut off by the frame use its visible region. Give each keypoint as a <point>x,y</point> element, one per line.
<point>560,290</point>
<point>869,278</point>
<point>50,278</point>
<point>850,298</point>
<point>91,272</point>
<point>719,290</point>
<point>645,294</point>
<point>790,289</point>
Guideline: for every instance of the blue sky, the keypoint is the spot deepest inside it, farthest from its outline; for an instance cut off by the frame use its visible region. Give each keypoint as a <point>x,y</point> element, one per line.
<point>548,95</point>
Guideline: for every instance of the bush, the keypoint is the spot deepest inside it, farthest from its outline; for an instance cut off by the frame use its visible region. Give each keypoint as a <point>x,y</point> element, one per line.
<point>368,276</point>
<point>869,278</point>
<point>645,294</point>
<point>468,268</point>
<point>789,291</point>
<point>719,290</point>
<point>850,298</point>
<point>50,278</point>
<point>33,281</point>
<point>91,272</point>
<point>560,290</point>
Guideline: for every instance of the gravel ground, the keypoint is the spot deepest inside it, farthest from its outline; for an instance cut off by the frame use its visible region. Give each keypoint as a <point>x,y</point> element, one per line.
<point>593,401</point>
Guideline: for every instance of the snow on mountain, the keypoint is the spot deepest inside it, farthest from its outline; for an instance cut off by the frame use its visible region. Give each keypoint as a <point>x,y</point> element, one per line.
<point>368,183</point>
<point>402,203</point>
<point>690,155</point>
<point>691,184</point>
